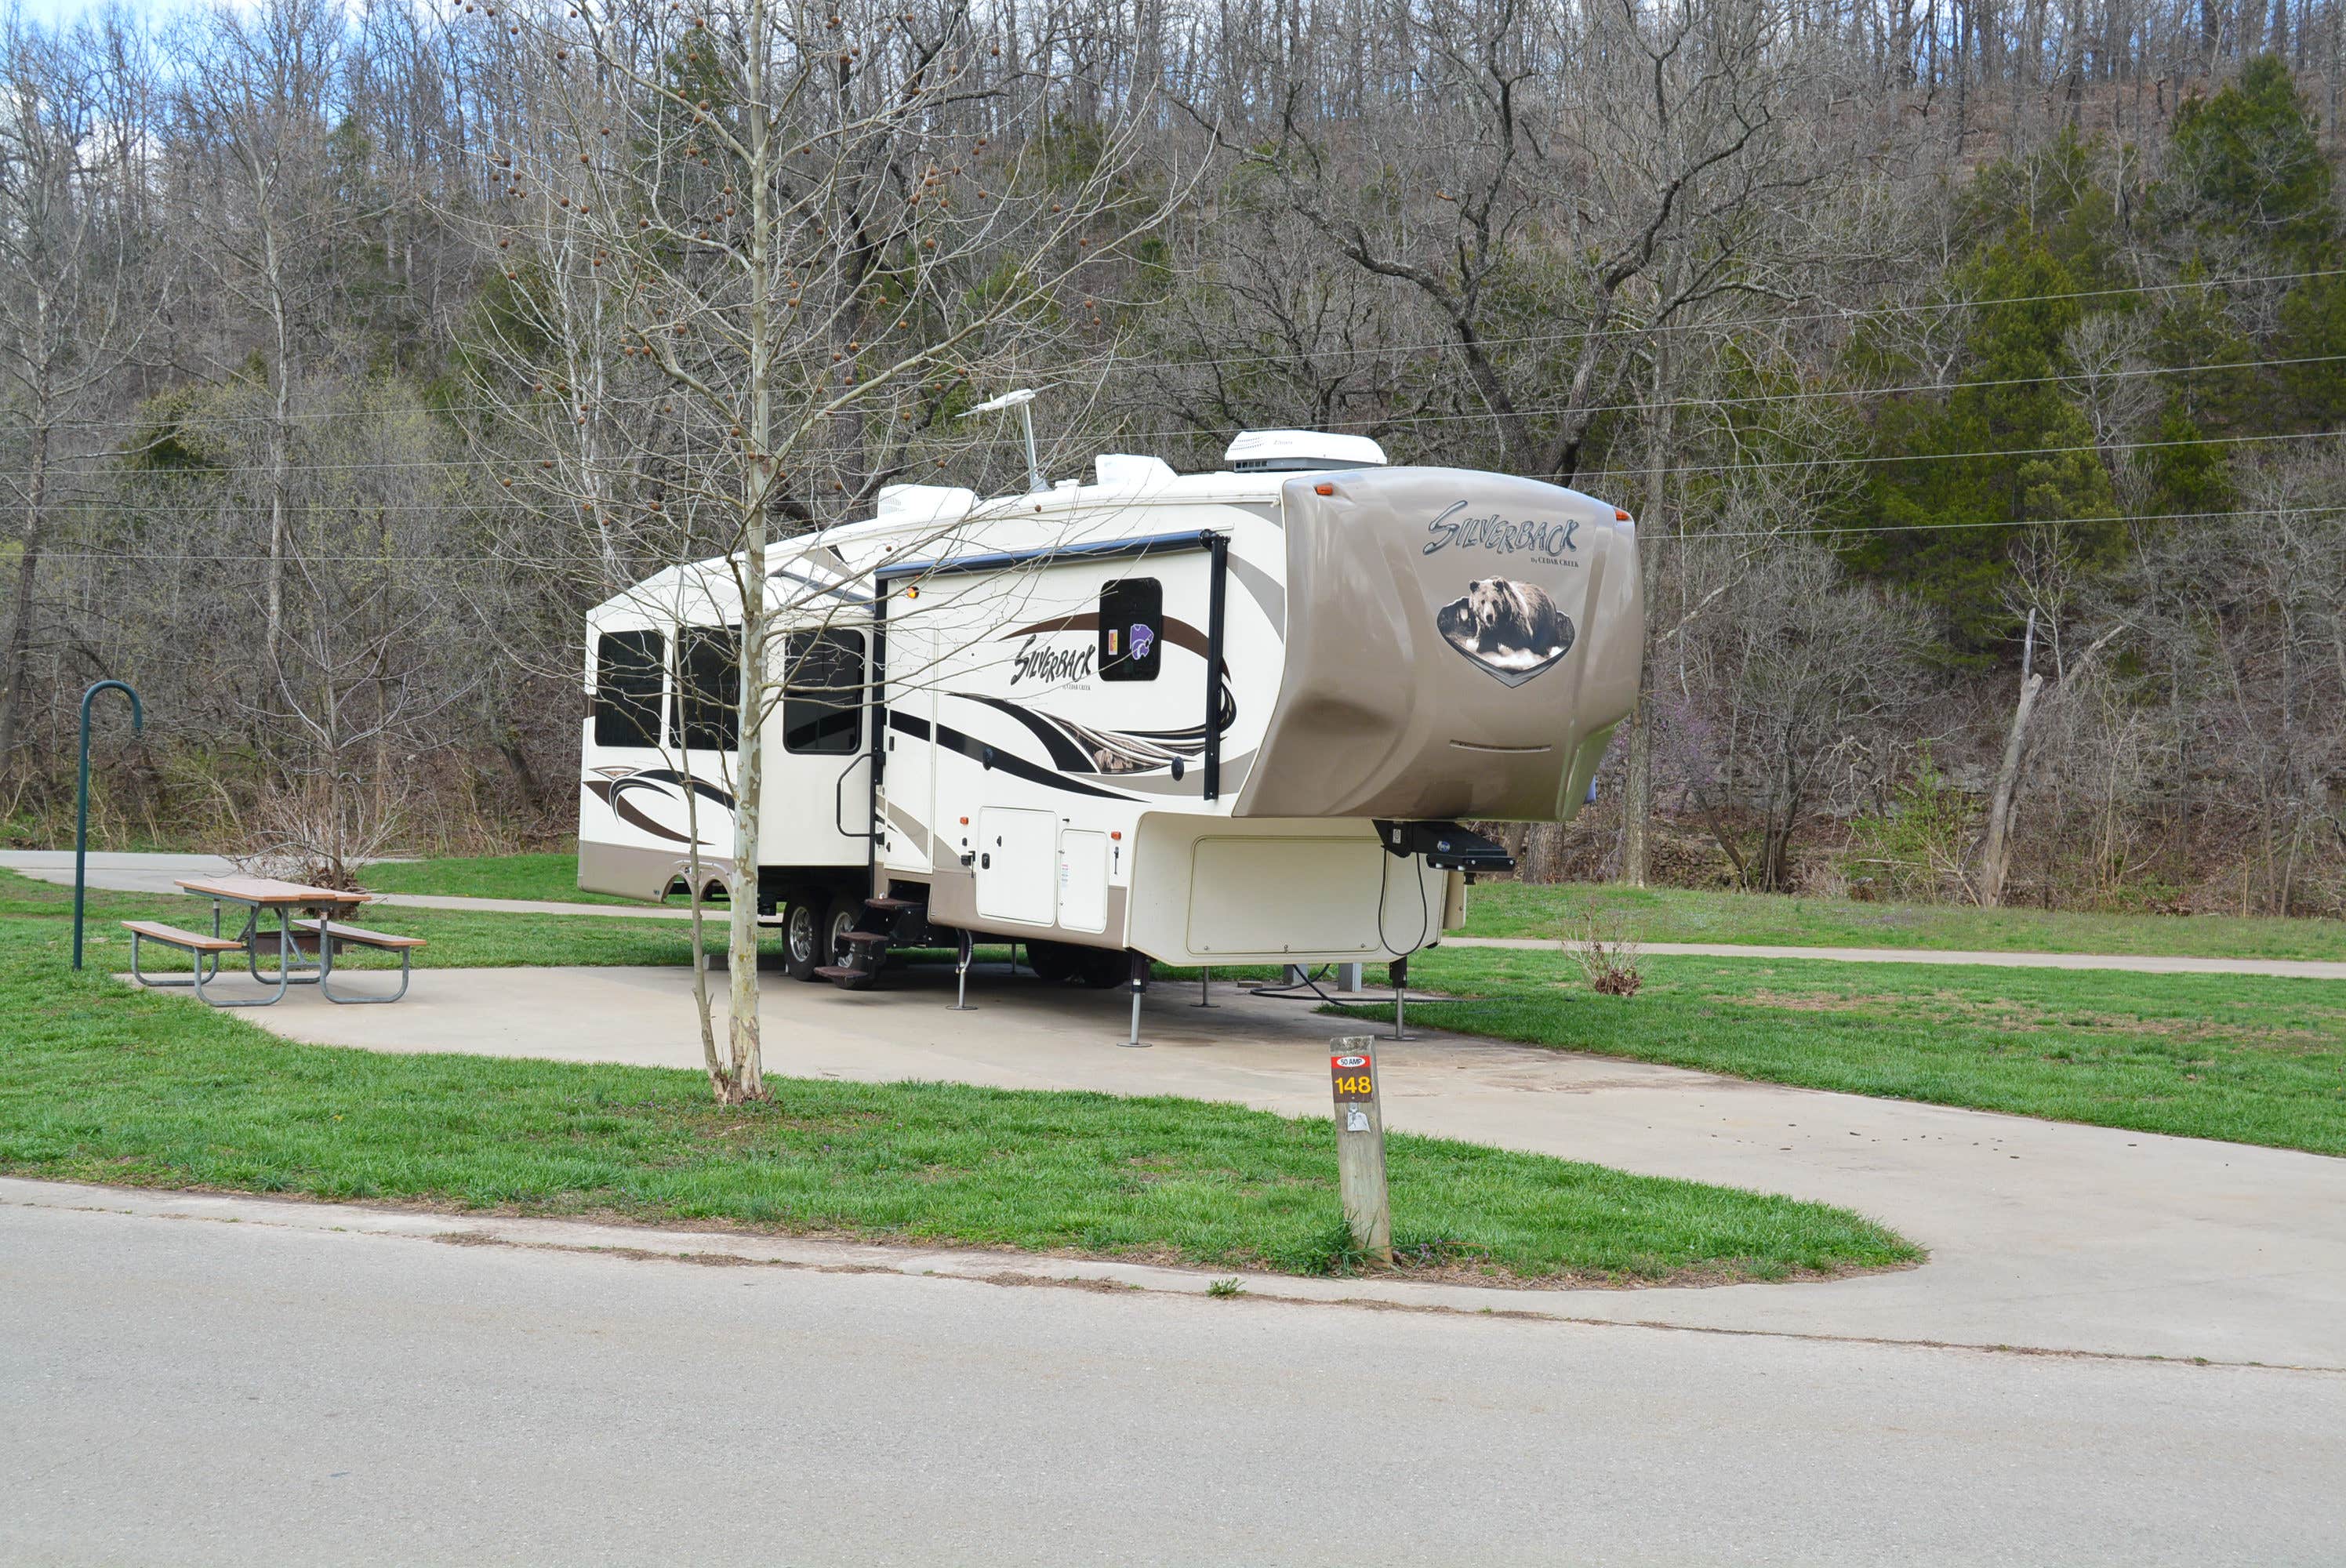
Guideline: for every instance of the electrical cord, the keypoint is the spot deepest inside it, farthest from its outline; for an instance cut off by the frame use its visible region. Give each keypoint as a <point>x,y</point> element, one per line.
<point>1295,993</point>
<point>1425,914</point>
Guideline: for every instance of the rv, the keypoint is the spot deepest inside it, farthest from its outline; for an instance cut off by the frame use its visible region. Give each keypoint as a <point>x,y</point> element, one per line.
<point>1210,719</point>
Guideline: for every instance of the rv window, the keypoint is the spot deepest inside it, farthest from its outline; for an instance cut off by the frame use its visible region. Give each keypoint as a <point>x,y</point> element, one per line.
<point>703,713</point>
<point>627,688</point>
<point>1131,629</point>
<point>822,691</point>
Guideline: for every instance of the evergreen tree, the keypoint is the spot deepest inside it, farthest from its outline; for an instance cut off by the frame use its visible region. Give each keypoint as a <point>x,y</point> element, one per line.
<point>2008,446</point>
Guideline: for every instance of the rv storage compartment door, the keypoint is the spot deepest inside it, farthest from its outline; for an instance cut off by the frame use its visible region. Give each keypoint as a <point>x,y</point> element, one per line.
<point>1287,895</point>
<point>1017,865</point>
<point>1082,880</point>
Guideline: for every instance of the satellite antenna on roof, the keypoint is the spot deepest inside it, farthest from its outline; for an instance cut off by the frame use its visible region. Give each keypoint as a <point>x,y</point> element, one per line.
<point>1019,400</point>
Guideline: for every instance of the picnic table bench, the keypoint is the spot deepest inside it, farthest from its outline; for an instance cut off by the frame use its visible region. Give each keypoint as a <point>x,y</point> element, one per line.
<point>195,945</point>
<point>321,935</point>
<point>332,936</point>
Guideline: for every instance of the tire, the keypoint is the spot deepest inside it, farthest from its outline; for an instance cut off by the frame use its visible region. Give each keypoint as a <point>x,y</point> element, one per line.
<point>839,920</point>
<point>1103,970</point>
<point>1054,963</point>
<point>801,937</point>
<point>1064,963</point>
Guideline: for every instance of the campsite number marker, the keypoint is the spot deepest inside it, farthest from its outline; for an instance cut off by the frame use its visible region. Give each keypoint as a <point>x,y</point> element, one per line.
<point>1361,1146</point>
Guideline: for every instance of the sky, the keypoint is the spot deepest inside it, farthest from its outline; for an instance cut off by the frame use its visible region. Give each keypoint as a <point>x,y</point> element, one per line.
<point>48,13</point>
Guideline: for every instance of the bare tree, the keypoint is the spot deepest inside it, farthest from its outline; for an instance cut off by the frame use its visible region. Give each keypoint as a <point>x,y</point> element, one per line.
<point>1802,665</point>
<point>767,250</point>
<point>258,195</point>
<point>77,287</point>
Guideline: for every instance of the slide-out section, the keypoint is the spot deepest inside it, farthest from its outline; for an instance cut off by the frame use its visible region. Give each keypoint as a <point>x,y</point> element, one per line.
<point>1210,891</point>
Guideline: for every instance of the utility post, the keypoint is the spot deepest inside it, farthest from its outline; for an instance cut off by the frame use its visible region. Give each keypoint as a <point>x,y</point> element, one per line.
<point>1361,1146</point>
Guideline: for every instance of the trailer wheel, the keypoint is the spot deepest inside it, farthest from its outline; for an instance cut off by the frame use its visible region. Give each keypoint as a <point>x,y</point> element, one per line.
<point>1102,970</point>
<point>1064,963</point>
<point>802,938</point>
<point>845,910</point>
<point>1054,963</point>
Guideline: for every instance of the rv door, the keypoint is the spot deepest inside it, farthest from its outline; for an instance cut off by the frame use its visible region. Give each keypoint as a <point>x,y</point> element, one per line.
<point>818,777</point>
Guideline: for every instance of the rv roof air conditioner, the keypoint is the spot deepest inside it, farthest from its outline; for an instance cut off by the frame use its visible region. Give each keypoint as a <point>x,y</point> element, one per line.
<point>1122,471</point>
<point>924,502</point>
<point>1296,451</point>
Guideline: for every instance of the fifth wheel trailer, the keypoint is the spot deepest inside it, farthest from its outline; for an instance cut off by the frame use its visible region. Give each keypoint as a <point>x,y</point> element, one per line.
<point>1208,719</point>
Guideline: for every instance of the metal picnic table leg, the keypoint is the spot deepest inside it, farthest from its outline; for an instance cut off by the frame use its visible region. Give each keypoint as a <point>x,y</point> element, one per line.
<point>325,954</point>
<point>289,957</point>
<point>158,979</point>
<point>276,995</point>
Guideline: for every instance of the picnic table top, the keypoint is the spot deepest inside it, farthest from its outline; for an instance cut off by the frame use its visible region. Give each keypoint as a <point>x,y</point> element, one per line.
<point>269,890</point>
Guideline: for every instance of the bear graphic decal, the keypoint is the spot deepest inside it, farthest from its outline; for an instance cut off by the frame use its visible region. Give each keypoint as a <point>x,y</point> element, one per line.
<point>1513,630</point>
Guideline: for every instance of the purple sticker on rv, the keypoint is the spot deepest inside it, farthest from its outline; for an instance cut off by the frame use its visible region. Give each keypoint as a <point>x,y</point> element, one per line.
<point>1142,640</point>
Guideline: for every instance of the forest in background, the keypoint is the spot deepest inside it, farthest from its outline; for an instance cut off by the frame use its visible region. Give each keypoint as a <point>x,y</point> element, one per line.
<point>1976,373</point>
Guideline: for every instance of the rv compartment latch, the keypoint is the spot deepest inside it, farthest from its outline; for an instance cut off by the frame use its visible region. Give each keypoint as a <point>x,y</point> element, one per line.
<point>1446,846</point>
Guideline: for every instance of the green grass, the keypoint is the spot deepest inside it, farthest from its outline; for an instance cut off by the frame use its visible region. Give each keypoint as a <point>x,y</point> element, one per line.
<point>1656,914</point>
<point>2245,1058</point>
<point>98,1083</point>
<point>553,878</point>
<point>1675,914</point>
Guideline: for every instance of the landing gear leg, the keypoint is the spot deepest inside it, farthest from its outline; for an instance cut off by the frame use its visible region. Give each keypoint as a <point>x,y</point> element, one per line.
<point>1205,989</point>
<point>1139,984</point>
<point>961,977</point>
<point>1398,971</point>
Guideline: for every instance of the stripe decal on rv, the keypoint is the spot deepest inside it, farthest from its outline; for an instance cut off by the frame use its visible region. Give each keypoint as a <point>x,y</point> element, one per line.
<point>986,756</point>
<point>1177,632</point>
<point>1080,749</point>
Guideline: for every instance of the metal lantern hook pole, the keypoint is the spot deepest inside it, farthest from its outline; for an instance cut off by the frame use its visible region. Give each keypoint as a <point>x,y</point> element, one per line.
<point>81,810</point>
<point>1019,400</point>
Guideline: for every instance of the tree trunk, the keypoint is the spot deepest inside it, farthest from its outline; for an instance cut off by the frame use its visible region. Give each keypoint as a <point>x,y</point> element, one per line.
<point>280,461</point>
<point>1996,854</point>
<point>1776,841</point>
<point>745,1073</point>
<point>15,650</point>
<point>1637,788</point>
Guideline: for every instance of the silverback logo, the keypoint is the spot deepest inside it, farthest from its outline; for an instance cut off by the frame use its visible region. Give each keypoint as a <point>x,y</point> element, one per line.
<point>1050,664</point>
<point>1497,533</point>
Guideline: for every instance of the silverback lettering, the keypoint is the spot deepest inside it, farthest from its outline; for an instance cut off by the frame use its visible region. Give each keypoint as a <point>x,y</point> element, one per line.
<point>1033,663</point>
<point>1494,531</point>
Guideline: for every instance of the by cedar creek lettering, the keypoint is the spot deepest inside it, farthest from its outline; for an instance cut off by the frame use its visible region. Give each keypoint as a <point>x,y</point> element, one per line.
<point>1497,533</point>
<point>1032,663</point>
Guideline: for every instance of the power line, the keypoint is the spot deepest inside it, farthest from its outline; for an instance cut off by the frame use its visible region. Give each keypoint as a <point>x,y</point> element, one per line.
<point>1846,313</point>
<point>1754,466</point>
<point>1955,457</point>
<point>1829,531</point>
<point>1843,313</point>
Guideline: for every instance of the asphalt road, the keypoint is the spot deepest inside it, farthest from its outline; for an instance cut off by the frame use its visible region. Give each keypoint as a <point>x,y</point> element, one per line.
<point>182,1390</point>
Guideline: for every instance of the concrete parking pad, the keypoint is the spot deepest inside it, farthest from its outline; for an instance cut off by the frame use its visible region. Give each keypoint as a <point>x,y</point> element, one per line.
<point>2042,1235</point>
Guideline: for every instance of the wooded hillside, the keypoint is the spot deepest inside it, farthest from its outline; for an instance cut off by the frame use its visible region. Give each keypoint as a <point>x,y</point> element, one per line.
<point>1976,373</point>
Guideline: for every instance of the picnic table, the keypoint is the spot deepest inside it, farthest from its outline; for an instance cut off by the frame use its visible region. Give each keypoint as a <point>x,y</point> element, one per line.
<point>296,940</point>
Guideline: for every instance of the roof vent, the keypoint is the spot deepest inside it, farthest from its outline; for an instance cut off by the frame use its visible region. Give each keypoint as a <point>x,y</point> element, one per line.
<point>1294,451</point>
